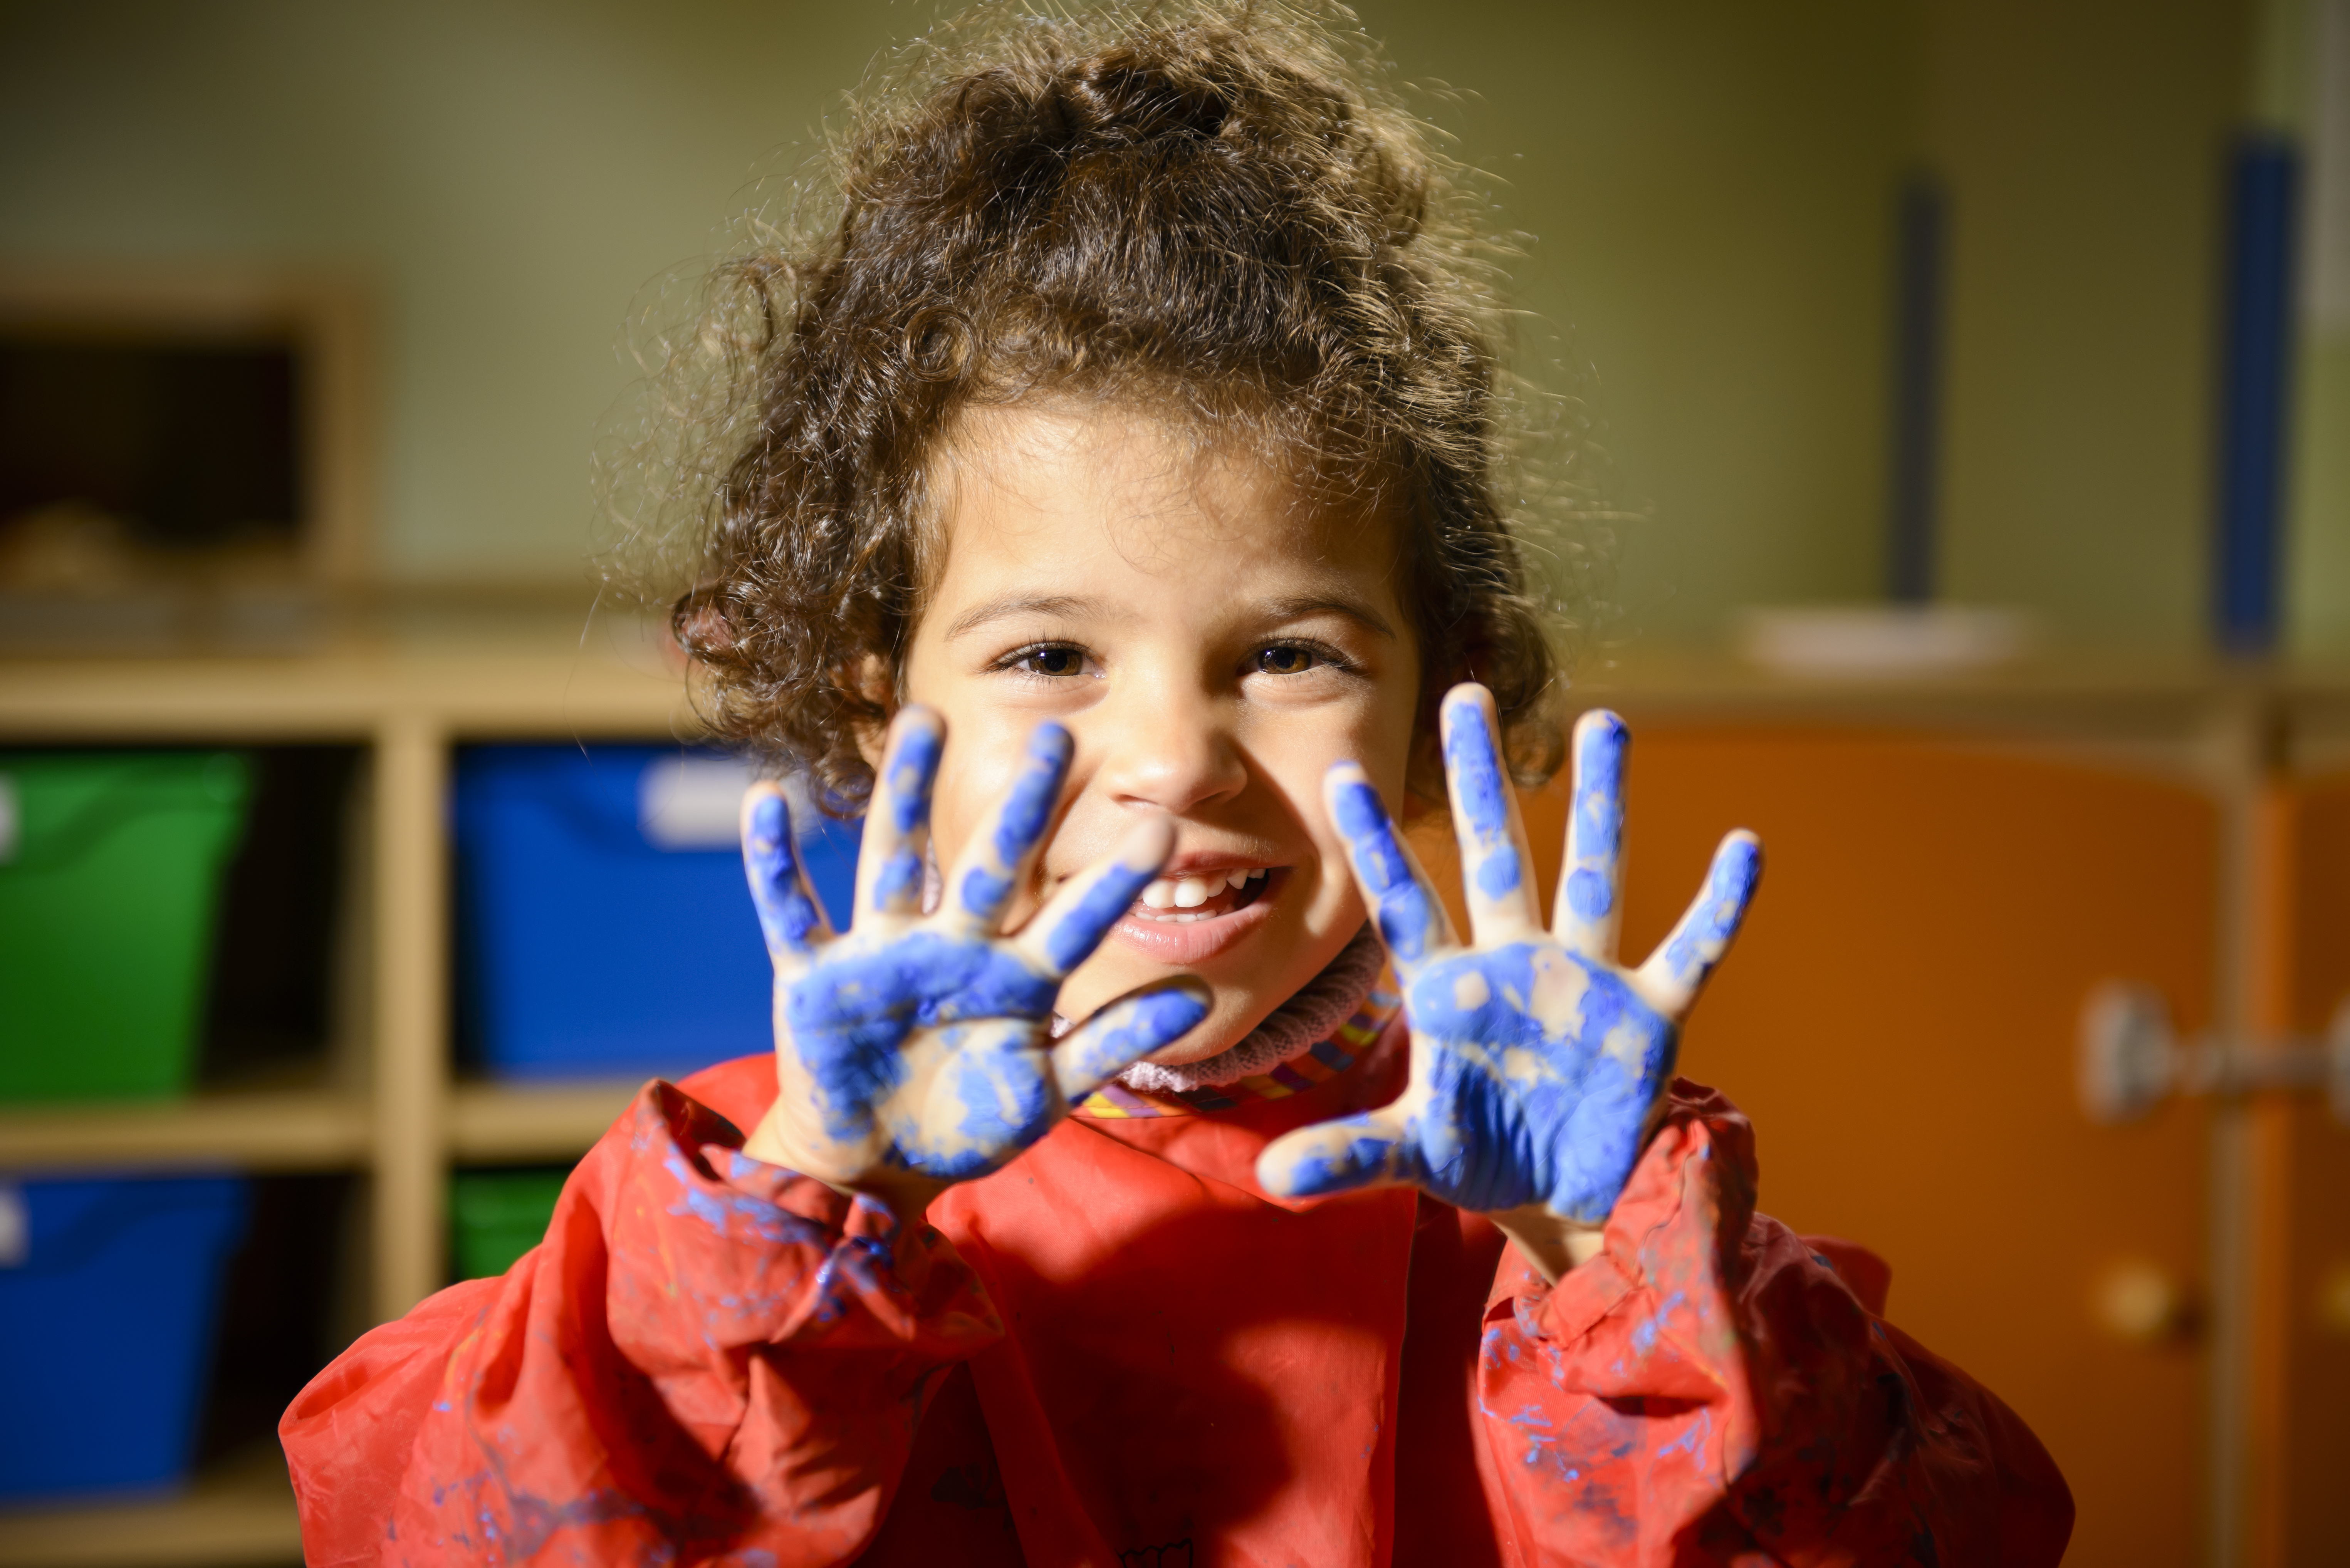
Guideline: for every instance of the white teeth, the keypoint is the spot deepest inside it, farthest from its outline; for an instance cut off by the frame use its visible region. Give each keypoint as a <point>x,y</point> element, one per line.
<point>1172,893</point>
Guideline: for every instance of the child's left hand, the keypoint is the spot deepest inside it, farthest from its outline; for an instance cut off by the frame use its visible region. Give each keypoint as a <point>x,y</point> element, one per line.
<point>1536,1060</point>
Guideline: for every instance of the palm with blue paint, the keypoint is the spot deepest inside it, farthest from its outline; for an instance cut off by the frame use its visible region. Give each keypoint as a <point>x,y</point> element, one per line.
<point>1537,1062</point>
<point>913,1050</point>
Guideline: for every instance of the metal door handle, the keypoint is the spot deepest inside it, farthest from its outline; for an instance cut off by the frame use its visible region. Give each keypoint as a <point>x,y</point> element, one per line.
<point>2131,1058</point>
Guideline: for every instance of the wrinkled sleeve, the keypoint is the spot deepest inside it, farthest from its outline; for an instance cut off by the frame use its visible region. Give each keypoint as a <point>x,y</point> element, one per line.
<point>709,1359</point>
<point>1713,1390</point>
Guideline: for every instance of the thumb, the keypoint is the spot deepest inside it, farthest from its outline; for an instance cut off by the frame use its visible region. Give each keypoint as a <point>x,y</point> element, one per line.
<point>1124,1032</point>
<point>1369,1149</point>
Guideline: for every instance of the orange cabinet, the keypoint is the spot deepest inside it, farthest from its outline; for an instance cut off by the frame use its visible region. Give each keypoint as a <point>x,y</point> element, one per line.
<point>1901,1019</point>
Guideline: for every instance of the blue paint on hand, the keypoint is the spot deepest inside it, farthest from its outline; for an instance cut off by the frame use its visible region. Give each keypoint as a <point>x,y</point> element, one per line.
<point>1405,910</point>
<point>1497,876</point>
<point>1154,1021</point>
<point>1362,1155</point>
<point>913,765</point>
<point>1125,1032</point>
<point>1006,1103</point>
<point>1588,894</point>
<point>1599,786</point>
<point>922,1045</point>
<point>771,822</point>
<point>1363,819</point>
<point>1028,809</point>
<point>1526,1109</point>
<point>1534,1065</point>
<point>1698,943</point>
<point>787,916</point>
<point>1474,772</point>
<point>1078,931</point>
<point>850,1013</point>
<point>984,892</point>
<point>898,881</point>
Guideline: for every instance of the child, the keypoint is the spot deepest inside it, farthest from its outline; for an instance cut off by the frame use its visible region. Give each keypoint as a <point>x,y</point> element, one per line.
<point>1119,523</point>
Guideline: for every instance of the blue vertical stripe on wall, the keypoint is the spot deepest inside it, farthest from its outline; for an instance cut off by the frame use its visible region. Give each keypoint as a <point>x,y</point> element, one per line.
<point>1921,243</point>
<point>2263,182</point>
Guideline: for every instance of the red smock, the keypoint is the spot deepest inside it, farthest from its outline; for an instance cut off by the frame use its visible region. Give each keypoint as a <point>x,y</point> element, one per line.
<point>1120,1350</point>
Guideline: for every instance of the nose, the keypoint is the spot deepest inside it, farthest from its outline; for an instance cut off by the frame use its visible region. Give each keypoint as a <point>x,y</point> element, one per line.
<point>1166,747</point>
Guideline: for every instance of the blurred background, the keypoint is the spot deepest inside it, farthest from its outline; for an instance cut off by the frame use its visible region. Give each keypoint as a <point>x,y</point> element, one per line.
<point>1971,385</point>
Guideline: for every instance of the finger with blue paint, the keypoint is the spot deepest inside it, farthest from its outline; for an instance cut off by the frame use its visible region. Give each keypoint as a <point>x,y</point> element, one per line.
<point>1073,922</point>
<point>1590,886</point>
<point>1496,865</point>
<point>1536,1060</point>
<point>1411,918</point>
<point>1124,1032</point>
<point>790,916</point>
<point>890,860</point>
<point>1674,974</point>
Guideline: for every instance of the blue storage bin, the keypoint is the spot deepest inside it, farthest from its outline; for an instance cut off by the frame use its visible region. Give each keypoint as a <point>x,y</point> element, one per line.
<point>604,926</point>
<point>109,1288</point>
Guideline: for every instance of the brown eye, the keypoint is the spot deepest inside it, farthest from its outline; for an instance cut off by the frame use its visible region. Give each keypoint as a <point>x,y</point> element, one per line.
<point>1054,661</point>
<point>1284,660</point>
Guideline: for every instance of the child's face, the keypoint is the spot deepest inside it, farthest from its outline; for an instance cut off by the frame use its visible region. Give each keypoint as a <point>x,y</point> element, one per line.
<point>1212,649</point>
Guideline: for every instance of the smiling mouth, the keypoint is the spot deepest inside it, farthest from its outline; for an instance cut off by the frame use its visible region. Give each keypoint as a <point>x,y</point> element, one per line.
<point>1187,900</point>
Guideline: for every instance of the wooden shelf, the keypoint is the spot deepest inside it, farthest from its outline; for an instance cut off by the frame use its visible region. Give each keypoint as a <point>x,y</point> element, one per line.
<point>281,1130</point>
<point>492,1122</point>
<point>492,693</point>
<point>266,1130</point>
<point>239,1515</point>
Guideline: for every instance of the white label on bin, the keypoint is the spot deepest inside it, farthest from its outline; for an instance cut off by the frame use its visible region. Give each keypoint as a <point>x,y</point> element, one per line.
<point>693,803</point>
<point>15,1226</point>
<point>11,821</point>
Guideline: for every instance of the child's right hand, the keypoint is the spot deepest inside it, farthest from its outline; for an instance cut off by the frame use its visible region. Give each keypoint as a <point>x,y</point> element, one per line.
<point>912,1051</point>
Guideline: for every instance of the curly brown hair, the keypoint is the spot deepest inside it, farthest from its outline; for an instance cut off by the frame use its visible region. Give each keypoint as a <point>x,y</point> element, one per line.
<point>1217,208</point>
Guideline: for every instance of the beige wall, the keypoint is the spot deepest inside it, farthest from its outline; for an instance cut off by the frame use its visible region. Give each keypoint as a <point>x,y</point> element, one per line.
<point>2084,141</point>
<point>1705,182</point>
<point>510,175</point>
<point>2303,91</point>
<point>2317,596</point>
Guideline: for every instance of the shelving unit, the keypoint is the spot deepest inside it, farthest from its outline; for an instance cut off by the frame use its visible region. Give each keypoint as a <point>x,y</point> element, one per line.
<point>389,1108</point>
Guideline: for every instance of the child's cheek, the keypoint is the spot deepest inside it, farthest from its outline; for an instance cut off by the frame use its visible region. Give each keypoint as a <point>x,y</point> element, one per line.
<point>967,787</point>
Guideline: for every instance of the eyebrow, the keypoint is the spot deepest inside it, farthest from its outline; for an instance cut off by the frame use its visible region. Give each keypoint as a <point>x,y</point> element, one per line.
<point>1354,609</point>
<point>980,615</point>
<point>1296,607</point>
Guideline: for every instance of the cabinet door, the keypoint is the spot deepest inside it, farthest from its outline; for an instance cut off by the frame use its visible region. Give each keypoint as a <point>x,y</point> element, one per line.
<point>1899,1019</point>
<point>2305,1516</point>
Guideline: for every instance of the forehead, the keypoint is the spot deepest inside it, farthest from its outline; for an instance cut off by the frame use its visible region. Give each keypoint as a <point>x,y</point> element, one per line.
<point>1122,498</point>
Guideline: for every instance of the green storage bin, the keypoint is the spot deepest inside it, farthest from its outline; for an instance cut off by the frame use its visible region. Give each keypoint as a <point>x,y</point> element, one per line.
<point>497,1216</point>
<point>110,868</point>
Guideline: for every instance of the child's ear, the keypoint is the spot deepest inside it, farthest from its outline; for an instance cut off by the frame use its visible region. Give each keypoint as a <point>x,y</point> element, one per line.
<point>872,679</point>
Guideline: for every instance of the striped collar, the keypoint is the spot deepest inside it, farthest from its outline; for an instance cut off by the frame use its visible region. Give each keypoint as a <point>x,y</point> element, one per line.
<point>1320,1064</point>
